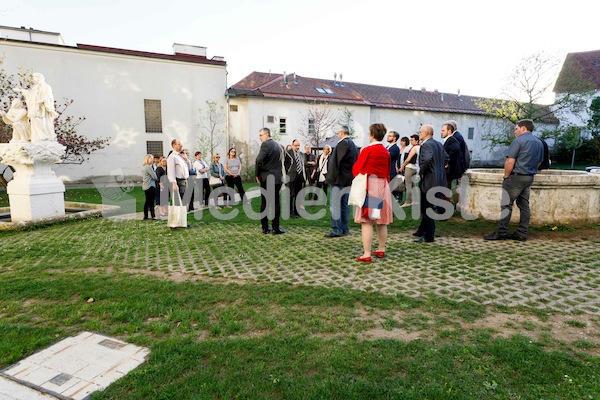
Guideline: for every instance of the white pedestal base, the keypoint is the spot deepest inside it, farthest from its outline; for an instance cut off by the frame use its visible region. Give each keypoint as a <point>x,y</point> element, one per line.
<point>35,191</point>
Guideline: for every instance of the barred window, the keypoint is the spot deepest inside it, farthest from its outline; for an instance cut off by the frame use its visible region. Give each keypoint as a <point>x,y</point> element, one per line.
<point>233,107</point>
<point>471,133</point>
<point>311,126</point>
<point>152,112</point>
<point>283,126</point>
<point>154,147</point>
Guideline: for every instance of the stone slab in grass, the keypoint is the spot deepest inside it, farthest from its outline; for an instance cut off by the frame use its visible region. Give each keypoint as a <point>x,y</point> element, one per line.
<point>75,367</point>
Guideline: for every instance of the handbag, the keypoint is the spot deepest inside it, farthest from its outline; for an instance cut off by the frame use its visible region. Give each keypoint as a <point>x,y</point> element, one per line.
<point>214,181</point>
<point>177,214</point>
<point>193,171</point>
<point>358,190</point>
<point>372,207</point>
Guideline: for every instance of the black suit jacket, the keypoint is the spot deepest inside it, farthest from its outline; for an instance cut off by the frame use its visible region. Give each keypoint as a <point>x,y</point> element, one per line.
<point>456,161</point>
<point>339,168</point>
<point>464,148</point>
<point>269,161</point>
<point>432,163</point>
<point>291,164</point>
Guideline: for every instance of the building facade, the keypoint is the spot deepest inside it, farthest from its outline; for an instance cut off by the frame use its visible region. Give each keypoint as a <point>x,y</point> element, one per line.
<point>140,100</point>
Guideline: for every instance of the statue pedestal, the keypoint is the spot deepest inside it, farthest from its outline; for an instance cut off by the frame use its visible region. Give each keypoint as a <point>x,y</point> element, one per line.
<point>35,191</point>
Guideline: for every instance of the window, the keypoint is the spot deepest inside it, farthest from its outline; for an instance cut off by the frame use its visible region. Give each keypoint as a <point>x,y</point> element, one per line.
<point>270,119</point>
<point>233,107</point>
<point>471,133</point>
<point>324,90</point>
<point>152,113</point>
<point>282,125</point>
<point>311,126</point>
<point>154,147</point>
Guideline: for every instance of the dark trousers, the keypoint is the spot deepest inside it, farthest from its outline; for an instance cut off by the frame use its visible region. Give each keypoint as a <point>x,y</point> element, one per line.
<point>516,188</point>
<point>295,188</point>
<point>324,186</point>
<point>237,182</point>
<point>271,203</point>
<point>204,190</point>
<point>149,203</point>
<point>427,225</point>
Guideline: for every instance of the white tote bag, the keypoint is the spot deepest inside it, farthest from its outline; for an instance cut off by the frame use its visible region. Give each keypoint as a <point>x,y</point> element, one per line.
<point>177,214</point>
<point>358,190</point>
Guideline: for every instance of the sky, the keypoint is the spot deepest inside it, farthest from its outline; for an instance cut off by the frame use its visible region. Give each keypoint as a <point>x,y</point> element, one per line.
<point>471,46</point>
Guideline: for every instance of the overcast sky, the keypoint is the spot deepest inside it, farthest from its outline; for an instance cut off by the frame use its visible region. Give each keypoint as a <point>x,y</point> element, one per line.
<point>443,45</point>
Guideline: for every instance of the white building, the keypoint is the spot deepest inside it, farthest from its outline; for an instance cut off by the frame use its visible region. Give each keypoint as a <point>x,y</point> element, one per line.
<point>140,100</point>
<point>587,64</point>
<point>280,103</point>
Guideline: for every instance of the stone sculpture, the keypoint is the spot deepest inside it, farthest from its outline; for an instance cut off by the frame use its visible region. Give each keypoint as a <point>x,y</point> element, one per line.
<point>40,109</point>
<point>17,117</point>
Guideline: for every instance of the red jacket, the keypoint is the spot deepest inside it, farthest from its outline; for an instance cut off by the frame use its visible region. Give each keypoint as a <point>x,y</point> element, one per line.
<point>373,159</point>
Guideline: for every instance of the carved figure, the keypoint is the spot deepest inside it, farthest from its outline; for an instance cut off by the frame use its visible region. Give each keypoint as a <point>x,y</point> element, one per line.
<point>17,117</point>
<point>40,108</point>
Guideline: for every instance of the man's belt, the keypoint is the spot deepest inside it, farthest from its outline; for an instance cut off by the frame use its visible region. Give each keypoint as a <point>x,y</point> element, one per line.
<point>516,173</point>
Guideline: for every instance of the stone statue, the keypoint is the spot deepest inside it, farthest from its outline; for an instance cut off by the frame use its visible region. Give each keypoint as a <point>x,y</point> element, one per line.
<point>40,109</point>
<point>17,117</point>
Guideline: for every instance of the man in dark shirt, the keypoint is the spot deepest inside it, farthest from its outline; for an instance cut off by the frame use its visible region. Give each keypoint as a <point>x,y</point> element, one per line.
<point>522,160</point>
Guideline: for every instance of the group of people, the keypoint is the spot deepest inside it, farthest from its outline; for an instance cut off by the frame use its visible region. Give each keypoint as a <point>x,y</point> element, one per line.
<point>438,166</point>
<point>180,171</point>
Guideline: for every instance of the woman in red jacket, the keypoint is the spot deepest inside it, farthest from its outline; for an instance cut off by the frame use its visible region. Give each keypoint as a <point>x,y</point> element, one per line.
<point>374,160</point>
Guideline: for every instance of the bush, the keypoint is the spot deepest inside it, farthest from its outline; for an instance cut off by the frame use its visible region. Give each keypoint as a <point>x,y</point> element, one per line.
<point>589,152</point>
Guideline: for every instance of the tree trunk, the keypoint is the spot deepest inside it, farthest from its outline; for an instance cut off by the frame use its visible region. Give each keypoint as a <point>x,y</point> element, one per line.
<point>573,159</point>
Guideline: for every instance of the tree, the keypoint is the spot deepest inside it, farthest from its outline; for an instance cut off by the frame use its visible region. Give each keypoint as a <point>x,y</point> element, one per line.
<point>593,123</point>
<point>347,118</point>
<point>210,127</point>
<point>317,122</point>
<point>571,140</point>
<point>526,88</point>
<point>78,147</point>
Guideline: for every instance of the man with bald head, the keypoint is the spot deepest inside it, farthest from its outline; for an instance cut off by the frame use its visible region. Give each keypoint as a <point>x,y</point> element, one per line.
<point>432,163</point>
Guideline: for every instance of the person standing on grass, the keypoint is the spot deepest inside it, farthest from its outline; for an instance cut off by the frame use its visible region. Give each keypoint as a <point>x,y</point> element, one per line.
<point>339,177</point>
<point>149,180</point>
<point>432,163</point>
<point>523,158</point>
<point>202,179</point>
<point>233,173</point>
<point>374,160</point>
<point>268,172</point>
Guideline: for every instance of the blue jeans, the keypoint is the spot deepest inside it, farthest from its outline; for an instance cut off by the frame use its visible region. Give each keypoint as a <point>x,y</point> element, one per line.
<point>339,209</point>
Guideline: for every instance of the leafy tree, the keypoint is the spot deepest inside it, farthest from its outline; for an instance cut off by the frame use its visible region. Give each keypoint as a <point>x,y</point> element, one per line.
<point>347,118</point>
<point>571,140</point>
<point>78,147</point>
<point>524,91</point>
<point>317,121</point>
<point>211,133</point>
<point>594,121</point>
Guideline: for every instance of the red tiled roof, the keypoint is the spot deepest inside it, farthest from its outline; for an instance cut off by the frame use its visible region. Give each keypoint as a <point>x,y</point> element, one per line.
<point>588,62</point>
<point>269,85</point>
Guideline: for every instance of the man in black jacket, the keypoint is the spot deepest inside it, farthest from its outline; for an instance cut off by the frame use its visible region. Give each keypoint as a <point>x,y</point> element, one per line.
<point>268,172</point>
<point>339,176</point>
<point>432,162</point>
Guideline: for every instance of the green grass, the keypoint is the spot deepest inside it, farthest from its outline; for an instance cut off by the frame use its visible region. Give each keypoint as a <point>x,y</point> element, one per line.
<point>230,313</point>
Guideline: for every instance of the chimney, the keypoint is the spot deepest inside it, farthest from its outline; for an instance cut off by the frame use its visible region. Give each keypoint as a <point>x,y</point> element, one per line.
<point>335,78</point>
<point>284,78</point>
<point>295,80</point>
<point>442,96</point>
<point>189,49</point>
<point>423,89</point>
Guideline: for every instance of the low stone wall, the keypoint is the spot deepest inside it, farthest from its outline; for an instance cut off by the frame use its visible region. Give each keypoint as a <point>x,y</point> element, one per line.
<point>557,196</point>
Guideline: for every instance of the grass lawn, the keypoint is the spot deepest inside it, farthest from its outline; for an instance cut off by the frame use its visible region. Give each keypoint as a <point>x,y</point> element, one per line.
<point>213,336</point>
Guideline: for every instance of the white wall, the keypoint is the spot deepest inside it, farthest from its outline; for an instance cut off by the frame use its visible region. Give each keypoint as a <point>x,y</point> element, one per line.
<point>109,90</point>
